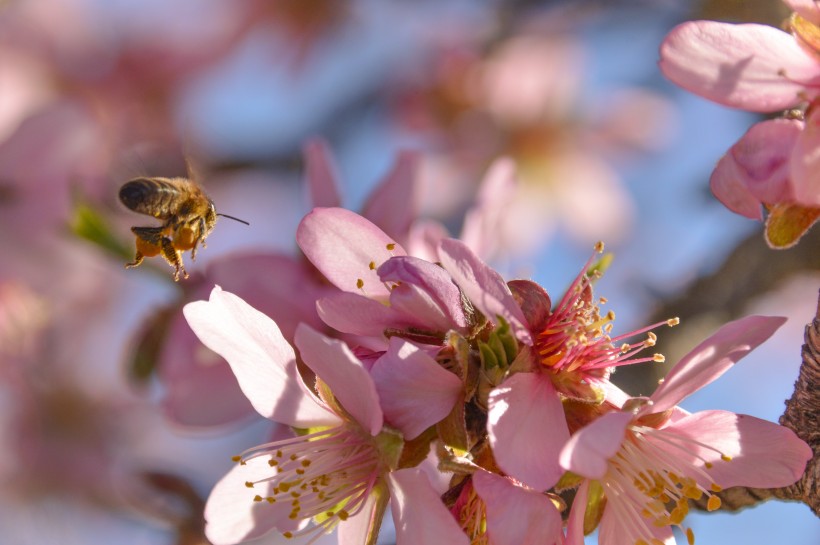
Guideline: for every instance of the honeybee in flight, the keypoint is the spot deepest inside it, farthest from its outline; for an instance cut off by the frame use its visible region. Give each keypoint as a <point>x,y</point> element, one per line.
<point>187,213</point>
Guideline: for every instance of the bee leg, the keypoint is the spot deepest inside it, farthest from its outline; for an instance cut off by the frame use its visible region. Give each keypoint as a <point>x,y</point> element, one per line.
<point>148,242</point>
<point>174,258</point>
<point>200,239</point>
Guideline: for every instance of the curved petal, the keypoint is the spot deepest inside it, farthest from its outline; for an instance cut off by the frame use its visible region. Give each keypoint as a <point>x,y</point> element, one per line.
<point>358,315</point>
<point>347,249</point>
<point>749,66</point>
<point>425,291</point>
<point>334,363</point>
<point>392,204</point>
<point>575,522</point>
<point>527,429</point>
<point>711,358</point>
<point>483,286</point>
<point>588,451</point>
<point>321,174</point>
<point>354,530</point>
<point>517,515</point>
<point>805,164</point>
<point>418,513</point>
<point>763,454</point>
<point>263,362</point>
<point>727,185</point>
<point>424,238</point>
<point>232,515</point>
<point>482,222</point>
<point>616,528</point>
<point>415,391</point>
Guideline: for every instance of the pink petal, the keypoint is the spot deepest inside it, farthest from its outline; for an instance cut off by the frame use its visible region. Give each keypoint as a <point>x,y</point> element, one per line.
<point>425,236</point>
<point>756,169</point>
<point>517,515</point>
<point>712,358</point>
<point>359,315</point>
<point>483,222</point>
<point>347,249</point>
<point>392,205</point>
<point>192,377</point>
<point>588,451</point>
<point>483,286</point>
<point>764,454</point>
<point>749,66</point>
<point>321,174</point>
<point>261,359</point>
<point>808,9</point>
<point>805,164</point>
<point>418,513</point>
<point>334,363</point>
<point>415,391</point>
<point>575,522</point>
<point>424,291</point>
<point>527,429</point>
<point>232,516</point>
<point>354,530</point>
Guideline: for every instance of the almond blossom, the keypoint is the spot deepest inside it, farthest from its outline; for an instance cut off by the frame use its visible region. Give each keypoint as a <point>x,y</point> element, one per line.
<point>342,469</point>
<point>651,458</point>
<point>762,69</point>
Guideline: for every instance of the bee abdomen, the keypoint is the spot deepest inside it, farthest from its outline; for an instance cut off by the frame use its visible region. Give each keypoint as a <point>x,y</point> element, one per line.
<point>151,196</point>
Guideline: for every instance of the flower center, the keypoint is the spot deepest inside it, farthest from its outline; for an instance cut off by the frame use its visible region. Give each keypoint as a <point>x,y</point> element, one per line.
<point>577,338</point>
<point>471,514</point>
<point>325,476</point>
<point>659,471</point>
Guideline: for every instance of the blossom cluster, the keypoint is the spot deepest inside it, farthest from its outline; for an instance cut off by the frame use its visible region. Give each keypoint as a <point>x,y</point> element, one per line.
<point>754,67</point>
<point>472,406</point>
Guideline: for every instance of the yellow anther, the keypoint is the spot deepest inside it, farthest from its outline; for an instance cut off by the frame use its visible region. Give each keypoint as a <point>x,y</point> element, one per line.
<point>343,515</point>
<point>300,471</point>
<point>288,535</point>
<point>271,499</point>
<point>715,487</point>
<point>359,283</point>
<point>293,457</point>
<point>599,246</point>
<point>725,457</point>
<point>390,247</point>
<point>249,484</point>
<point>236,458</point>
<point>257,498</point>
<point>372,265</point>
<point>641,542</point>
<point>603,300</point>
<point>272,463</point>
<point>708,465</point>
<point>672,322</point>
<point>713,504</point>
<point>305,463</point>
<point>656,541</point>
<point>690,536</point>
<point>625,347</point>
<point>610,315</point>
<point>658,358</point>
<point>693,492</point>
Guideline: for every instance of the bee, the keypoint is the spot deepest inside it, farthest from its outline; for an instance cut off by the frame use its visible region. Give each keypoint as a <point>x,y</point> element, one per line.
<point>187,213</point>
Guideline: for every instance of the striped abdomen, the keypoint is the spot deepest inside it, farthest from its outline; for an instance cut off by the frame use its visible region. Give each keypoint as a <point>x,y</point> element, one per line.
<point>157,197</point>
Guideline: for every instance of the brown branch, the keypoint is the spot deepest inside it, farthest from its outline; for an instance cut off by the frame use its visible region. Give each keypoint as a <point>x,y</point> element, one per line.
<point>802,416</point>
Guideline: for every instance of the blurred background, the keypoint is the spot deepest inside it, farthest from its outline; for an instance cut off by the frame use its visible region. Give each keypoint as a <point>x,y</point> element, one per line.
<point>114,421</point>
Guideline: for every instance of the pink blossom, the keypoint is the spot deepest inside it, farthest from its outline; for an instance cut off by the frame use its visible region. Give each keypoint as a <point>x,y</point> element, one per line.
<point>652,453</point>
<point>346,456</point>
<point>565,352</point>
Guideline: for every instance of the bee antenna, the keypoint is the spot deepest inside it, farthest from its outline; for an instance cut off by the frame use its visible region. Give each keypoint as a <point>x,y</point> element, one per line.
<point>233,218</point>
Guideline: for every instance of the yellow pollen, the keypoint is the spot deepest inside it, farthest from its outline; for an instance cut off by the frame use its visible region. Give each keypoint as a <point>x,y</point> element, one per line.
<point>278,453</point>
<point>300,471</point>
<point>625,347</point>
<point>603,300</point>
<point>641,542</point>
<point>658,358</point>
<point>272,463</point>
<point>271,499</point>
<point>305,463</point>
<point>672,322</point>
<point>599,246</point>
<point>610,315</point>
<point>249,484</point>
<point>709,465</point>
<point>390,247</point>
<point>257,498</point>
<point>713,504</point>
<point>236,458</point>
<point>359,283</point>
<point>715,487</point>
<point>690,536</point>
<point>372,265</point>
<point>288,535</point>
<point>661,381</point>
<point>343,515</point>
<point>293,457</point>
<point>725,457</point>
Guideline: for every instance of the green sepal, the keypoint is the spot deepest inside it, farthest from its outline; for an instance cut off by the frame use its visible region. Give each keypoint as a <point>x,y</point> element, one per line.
<point>452,430</point>
<point>415,452</point>
<point>390,444</point>
<point>568,481</point>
